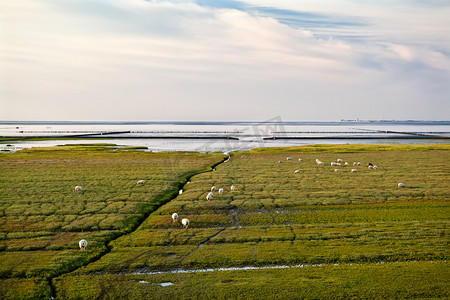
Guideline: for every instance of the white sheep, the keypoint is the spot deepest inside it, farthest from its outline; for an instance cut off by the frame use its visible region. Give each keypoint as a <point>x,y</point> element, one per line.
<point>370,167</point>
<point>300,159</point>
<point>174,217</point>
<point>83,244</point>
<point>180,192</point>
<point>337,170</point>
<point>280,161</point>
<point>359,163</point>
<point>354,170</point>
<point>213,189</point>
<point>141,182</point>
<point>185,223</point>
<point>319,162</point>
<point>221,191</point>
<point>78,188</point>
<point>289,158</point>
<point>346,163</point>
<point>401,185</point>
<point>233,188</point>
<point>375,167</point>
<point>340,160</point>
<point>209,196</point>
<point>297,172</point>
<point>333,163</point>
<point>354,163</point>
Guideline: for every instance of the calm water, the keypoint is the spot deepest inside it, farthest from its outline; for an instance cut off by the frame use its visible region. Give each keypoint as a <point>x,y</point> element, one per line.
<point>226,136</point>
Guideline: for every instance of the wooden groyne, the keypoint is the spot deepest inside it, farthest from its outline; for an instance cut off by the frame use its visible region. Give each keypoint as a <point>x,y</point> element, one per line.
<point>94,134</point>
<point>416,134</point>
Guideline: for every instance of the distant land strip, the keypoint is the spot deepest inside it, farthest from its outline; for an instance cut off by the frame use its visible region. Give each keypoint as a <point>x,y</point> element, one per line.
<point>355,137</point>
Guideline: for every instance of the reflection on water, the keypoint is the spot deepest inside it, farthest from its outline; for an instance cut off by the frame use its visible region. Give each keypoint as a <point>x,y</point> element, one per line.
<point>224,136</point>
<point>158,145</point>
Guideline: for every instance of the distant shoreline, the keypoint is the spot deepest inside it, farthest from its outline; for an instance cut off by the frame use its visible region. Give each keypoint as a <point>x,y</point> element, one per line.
<point>340,122</point>
<point>222,136</point>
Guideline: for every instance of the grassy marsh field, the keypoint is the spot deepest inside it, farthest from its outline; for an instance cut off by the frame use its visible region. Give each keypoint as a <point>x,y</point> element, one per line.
<point>355,234</point>
<point>43,218</point>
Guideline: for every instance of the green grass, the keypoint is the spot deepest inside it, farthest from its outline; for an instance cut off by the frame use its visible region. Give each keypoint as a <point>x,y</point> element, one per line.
<point>42,217</point>
<point>264,184</point>
<point>369,281</point>
<point>27,288</point>
<point>377,233</point>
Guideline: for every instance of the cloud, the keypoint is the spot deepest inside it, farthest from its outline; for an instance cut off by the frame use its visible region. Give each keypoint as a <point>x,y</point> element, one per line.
<point>165,60</point>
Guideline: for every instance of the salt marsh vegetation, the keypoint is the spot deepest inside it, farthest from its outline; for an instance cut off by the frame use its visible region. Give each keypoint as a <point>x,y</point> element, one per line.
<point>354,225</point>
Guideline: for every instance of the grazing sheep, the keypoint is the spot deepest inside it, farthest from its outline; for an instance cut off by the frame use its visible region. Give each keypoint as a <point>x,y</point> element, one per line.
<point>300,159</point>
<point>319,162</point>
<point>354,170</point>
<point>280,161</point>
<point>77,188</point>
<point>83,244</point>
<point>180,192</point>
<point>334,163</point>
<point>233,188</point>
<point>370,167</point>
<point>289,158</point>
<point>401,185</point>
<point>297,172</point>
<point>213,189</point>
<point>209,196</point>
<point>359,163</point>
<point>375,167</point>
<point>346,163</point>
<point>221,191</point>
<point>174,217</point>
<point>340,160</point>
<point>354,163</point>
<point>141,182</point>
<point>185,223</point>
<point>337,170</point>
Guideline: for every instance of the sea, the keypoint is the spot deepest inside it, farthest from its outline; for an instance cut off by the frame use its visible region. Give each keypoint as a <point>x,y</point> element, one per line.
<point>223,137</point>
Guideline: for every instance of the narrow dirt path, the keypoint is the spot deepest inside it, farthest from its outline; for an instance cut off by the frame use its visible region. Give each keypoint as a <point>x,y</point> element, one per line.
<point>206,241</point>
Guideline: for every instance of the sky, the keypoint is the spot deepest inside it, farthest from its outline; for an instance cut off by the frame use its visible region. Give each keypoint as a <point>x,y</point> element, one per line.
<point>186,60</point>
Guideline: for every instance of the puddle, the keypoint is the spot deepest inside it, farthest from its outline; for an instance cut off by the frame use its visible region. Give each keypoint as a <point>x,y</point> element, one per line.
<point>161,284</point>
<point>166,283</point>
